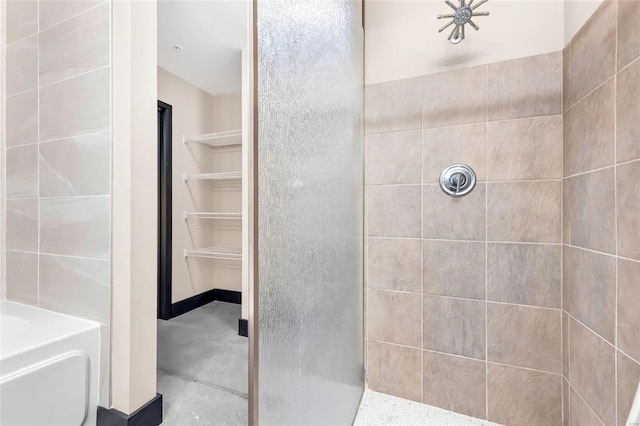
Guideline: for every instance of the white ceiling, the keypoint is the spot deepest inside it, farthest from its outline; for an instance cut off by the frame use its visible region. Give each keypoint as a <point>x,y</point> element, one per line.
<point>212,34</point>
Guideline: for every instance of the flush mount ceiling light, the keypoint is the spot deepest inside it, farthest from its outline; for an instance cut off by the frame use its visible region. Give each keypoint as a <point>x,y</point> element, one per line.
<point>462,15</point>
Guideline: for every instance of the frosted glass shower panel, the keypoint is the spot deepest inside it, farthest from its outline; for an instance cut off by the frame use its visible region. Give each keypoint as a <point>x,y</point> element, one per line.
<point>310,211</point>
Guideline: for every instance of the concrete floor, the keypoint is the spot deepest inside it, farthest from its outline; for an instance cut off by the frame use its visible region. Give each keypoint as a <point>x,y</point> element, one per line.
<point>203,367</point>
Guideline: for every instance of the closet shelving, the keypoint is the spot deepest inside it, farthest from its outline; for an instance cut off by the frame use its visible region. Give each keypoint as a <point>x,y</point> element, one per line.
<point>212,176</point>
<point>218,216</point>
<point>221,253</point>
<point>231,137</point>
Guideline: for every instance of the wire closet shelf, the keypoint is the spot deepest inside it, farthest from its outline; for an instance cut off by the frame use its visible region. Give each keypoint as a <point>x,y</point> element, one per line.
<point>212,176</point>
<point>215,253</point>
<point>231,137</point>
<point>219,216</point>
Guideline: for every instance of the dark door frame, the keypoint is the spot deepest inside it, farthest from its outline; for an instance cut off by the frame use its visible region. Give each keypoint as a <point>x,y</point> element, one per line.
<point>165,309</point>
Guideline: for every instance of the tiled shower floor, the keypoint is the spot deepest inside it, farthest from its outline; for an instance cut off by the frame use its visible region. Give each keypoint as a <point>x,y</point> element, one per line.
<point>377,409</point>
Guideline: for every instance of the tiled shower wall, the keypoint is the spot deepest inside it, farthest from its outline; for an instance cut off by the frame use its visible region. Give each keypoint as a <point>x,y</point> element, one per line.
<point>58,157</point>
<point>601,299</point>
<point>464,295</point>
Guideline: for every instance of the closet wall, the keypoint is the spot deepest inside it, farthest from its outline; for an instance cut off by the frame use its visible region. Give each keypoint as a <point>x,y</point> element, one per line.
<point>197,112</point>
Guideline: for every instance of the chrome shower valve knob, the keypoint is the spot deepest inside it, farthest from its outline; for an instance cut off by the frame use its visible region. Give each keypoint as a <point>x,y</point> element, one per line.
<point>457,180</point>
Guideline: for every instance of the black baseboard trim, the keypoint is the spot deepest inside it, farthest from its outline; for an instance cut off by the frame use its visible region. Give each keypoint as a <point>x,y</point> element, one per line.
<point>194,302</point>
<point>150,414</point>
<point>243,327</point>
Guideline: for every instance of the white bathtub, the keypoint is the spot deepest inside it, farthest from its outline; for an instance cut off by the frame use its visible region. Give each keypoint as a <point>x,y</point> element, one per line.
<point>48,367</point>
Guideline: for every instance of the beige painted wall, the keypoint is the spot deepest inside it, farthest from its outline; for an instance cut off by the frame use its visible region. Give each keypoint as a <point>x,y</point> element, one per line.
<point>197,112</point>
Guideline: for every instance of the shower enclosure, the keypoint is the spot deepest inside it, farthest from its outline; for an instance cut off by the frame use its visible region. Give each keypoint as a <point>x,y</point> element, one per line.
<point>308,327</point>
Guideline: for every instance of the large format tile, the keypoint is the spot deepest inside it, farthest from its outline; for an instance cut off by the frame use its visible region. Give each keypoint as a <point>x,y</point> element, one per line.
<point>394,370</point>
<point>565,344</point>
<point>449,218</point>
<point>393,211</point>
<point>592,290</point>
<point>395,105</point>
<point>524,211</point>
<point>76,166</point>
<point>22,277</point>
<point>526,87</point>
<point>627,385</point>
<point>454,383</point>
<point>52,12</point>
<point>592,370</point>
<point>394,264</point>
<point>527,274</point>
<point>589,211</point>
<point>592,56</point>
<point>589,131</point>
<point>523,397</point>
<point>76,226</point>
<point>77,287</point>
<point>580,414</point>
<point>524,337</point>
<point>21,19</point>
<point>394,158</point>
<point>87,102</point>
<point>22,225</point>
<point>628,175</point>
<point>22,172</point>
<point>628,31</point>
<point>454,326</point>
<point>22,66</point>
<point>455,97</point>
<point>22,119</point>
<point>628,111</point>
<point>454,268</point>
<point>444,146</point>
<point>76,46</point>
<point>394,317</point>
<point>628,312</point>
<point>525,149</point>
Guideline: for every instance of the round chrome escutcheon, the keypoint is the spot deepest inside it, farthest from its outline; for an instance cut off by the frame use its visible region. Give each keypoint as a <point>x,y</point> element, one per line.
<point>457,180</point>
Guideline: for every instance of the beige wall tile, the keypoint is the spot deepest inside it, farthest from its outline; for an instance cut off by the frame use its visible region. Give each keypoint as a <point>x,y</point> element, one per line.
<point>88,111</point>
<point>589,131</point>
<point>449,218</point>
<point>76,226</point>
<point>74,286</point>
<point>393,211</point>
<point>526,87</point>
<point>22,66</point>
<point>579,412</point>
<point>589,211</point>
<point>394,264</point>
<point>628,110</point>
<point>75,46</point>
<point>395,105</point>
<point>76,166</point>
<point>566,75</point>
<point>592,370</point>
<point>454,326</point>
<point>627,383</point>
<point>628,312</point>
<point>565,344</point>
<point>628,31</point>
<point>444,146</point>
<point>22,119</point>
<point>455,97</point>
<point>523,397</point>
<point>454,268</point>
<point>524,274</point>
<point>55,11</point>
<point>395,370</point>
<point>22,225</point>
<point>524,336</point>
<point>455,383</point>
<point>592,290</point>
<point>22,277</point>
<point>21,19</point>
<point>394,158</point>
<point>565,402</point>
<point>525,149</point>
<point>628,208</point>
<point>524,211</point>
<point>593,51</point>
<point>22,172</point>
<point>394,317</point>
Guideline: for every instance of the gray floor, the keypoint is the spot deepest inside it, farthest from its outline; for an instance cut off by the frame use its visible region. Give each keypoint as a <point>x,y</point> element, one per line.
<point>202,367</point>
